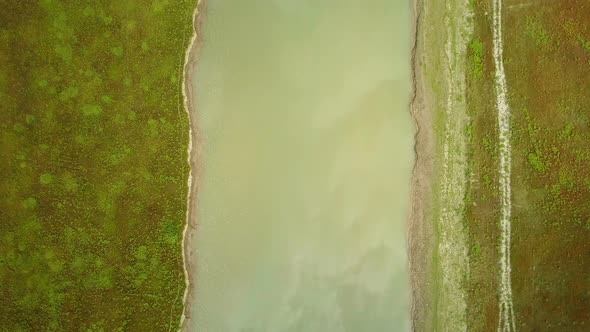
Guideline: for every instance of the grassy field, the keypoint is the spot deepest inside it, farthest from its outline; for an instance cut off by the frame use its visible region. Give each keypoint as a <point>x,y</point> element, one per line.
<point>547,61</point>
<point>482,201</point>
<point>441,110</point>
<point>94,166</point>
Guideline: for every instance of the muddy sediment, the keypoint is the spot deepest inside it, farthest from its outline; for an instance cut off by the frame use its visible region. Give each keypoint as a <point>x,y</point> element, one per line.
<point>420,229</point>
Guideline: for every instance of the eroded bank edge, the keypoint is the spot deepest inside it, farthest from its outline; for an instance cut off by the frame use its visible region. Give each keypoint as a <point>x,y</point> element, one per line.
<point>193,152</point>
<point>420,236</point>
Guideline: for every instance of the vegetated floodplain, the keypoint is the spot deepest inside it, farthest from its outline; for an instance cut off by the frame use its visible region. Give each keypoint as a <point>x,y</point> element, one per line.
<point>546,57</point>
<point>545,51</point>
<point>94,165</point>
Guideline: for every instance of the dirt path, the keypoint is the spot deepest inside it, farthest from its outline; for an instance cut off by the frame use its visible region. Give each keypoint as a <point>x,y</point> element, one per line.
<point>506,311</point>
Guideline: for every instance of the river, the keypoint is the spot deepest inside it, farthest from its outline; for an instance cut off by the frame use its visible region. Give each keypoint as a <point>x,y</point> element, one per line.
<point>307,156</point>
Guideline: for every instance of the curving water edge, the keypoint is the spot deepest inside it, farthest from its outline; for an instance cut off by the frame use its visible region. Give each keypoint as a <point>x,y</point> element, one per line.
<point>193,151</point>
<point>506,311</point>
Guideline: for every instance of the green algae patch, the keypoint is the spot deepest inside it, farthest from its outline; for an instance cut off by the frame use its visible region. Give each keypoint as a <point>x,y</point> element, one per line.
<point>87,183</point>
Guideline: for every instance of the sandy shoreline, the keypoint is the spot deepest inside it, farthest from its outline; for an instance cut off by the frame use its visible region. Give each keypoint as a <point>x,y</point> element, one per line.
<point>420,235</point>
<point>194,152</point>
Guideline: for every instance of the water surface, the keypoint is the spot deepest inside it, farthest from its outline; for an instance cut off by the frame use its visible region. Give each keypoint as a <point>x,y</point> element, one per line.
<point>306,169</point>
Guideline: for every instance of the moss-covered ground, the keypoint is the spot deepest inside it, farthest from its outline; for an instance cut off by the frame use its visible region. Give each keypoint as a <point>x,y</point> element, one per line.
<point>93,164</point>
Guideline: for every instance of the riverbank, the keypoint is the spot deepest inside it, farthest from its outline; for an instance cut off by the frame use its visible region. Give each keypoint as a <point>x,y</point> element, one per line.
<point>420,229</point>
<point>437,237</point>
<point>194,151</point>
<point>522,209</point>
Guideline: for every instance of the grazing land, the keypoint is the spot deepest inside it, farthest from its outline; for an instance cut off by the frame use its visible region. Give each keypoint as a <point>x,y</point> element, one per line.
<point>94,167</point>
<point>545,54</point>
<point>547,62</point>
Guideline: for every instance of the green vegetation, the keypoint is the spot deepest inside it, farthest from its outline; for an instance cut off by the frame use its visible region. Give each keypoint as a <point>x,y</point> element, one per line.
<point>477,54</point>
<point>536,161</point>
<point>537,32</point>
<point>482,201</point>
<point>583,42</point>
<point>546,58</point>
<point>93,139</point>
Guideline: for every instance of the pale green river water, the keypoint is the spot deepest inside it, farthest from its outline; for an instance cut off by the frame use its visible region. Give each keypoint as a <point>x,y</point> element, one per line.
<point>308,150</point>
